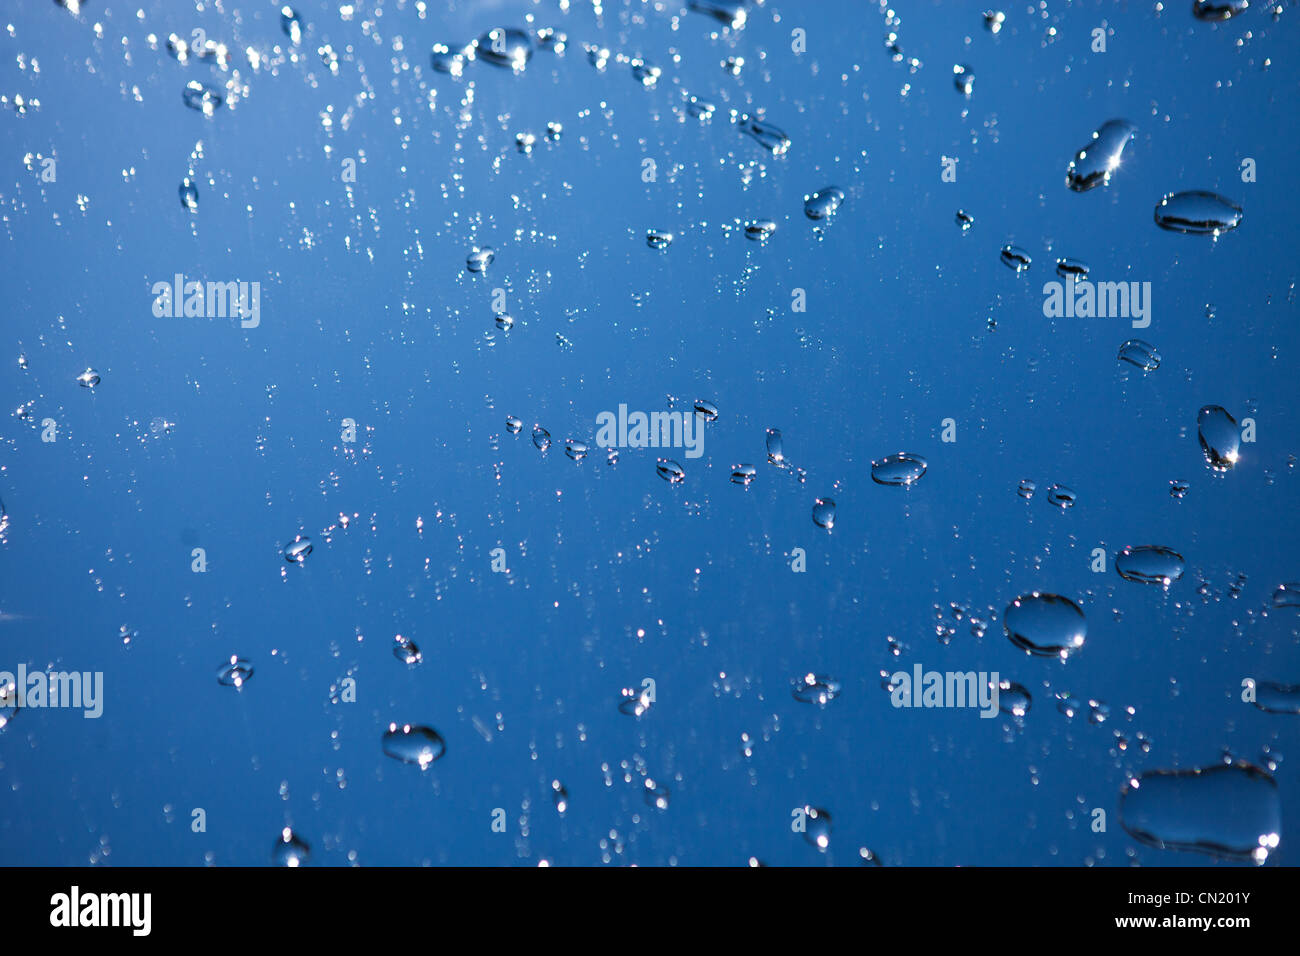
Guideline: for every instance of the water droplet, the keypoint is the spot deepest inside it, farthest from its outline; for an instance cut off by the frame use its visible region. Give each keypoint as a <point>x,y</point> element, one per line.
<point>963,77</point>
<point>760,230</point>
<point>899,469</point>
<point>541,438</point>
<point>964,220</point>
<point>658,238</point>
<point>514,425</point>
<point>204,97</point>
<point>1149,564</point>
<point>1287,595</point>
<point>1218,9</point>
<point>479,259</point>
<point>235,672</point>
<point>524,142</point>
<point>1178,488</point>
<point>730,13</point>
<point>577,450</point>
<point>8,703</point>
<point>1061,496</point>
<point>296,551</point>
<point>772,138</point>
<point>823,513</point>
<point>505,322</point>
<point>699,109</point>
<point>993,20</point>
<point>1026,489</point>
<point>452,62</point>
<point>817,827</point>
<point>656,794</point>
<point>1197,212</point>
<point>743,474</point>
<point>823,203</point>
<point>707,409</point>
<point>670,471</point>
<point>1185,810</point>
<point>1014,699</point>
<point>1277,698</point>
<point>189,194</point>
<point>1220,438</point>
<point>775,449</point>
<point>88,379</point>
<point>1139,353</point>
<point>505,47</point>
<point>1046,625</point>
<point>290,850</point>
<point>647,74</point>
<point>733,65</point>
<point>816,689</point>
<point>1065,268</point>
<point>406,650</point>
<point>560,796</point>
<point>868,858</point>
<point>414,744</point>
<point>635,702</point>
<point>291,23</point>
<point>1015,258</point>
<point>1093,164</point>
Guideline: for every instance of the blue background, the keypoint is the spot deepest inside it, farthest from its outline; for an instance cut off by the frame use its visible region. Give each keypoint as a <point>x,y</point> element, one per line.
<point>368,312</point>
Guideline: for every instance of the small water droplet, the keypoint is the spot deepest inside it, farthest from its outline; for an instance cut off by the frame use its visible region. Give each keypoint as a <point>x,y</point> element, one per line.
<point>541,438</point>
<point>1061,496</point>
<point>817,827</point>
<point>1026,489</point>
<point>234,673</point>
<point>760,230</point>
<point>658,238</point>
<point>963,77</point>
<point>823,203</point>
<point>296,551</point>
<point>479,259</point>
<point>290,850</point>
<point>964,220</point>
<point>413,744</point>
<point>577,450</point>
<point>1149,564</point>
<point>899,469</point>
<point>189,194</point>
<point>743,474</point>
<point>775,447</point>
<point>670,471</point>
<point>1015,258</point>
<point>1139,353</point>
<point>816,689</point>
<point>1065,268</point>
<point>823,513</point>
<point>88,379</point>
<point>406,650</point>
<point>204,97</point>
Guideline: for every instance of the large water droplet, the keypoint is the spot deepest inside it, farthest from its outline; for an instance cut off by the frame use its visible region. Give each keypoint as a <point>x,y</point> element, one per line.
<point>823,203</point>
<point>541,438</point>
<point>235,672</point>
<point>816,689</point>
<point>1139,353</point>
<point>1218,9</point>
<point>670,471</point>
<point>1046,625</point>
<point>290,849</point>
<point>1015,258</point>
<point>505,47</point>
<point>414,744</point>
<point>823,513</point>
<point>899,469</point>
<point>772,138</point>
<point>743,474</point>
<point>1287,595</point>
<point>204,97</point>
<point>1149,564</point>
<point>1220,437</point>
<point>1093,164</point>
<point>1277,698</point>
<point>479,259</point>
<point>1197,212</point>
<point>1230,810</point>
<point>1061,496</point>
<point>296,551</point>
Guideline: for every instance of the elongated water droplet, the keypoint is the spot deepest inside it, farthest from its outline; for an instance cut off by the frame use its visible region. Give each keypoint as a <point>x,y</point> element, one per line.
<point>699,109</point>
<point>647,74</point>
<point>706,409</point>
<point>823,513</point>
<point>772,138</point>
<point>775,446</point>
<point>964,220</point>
<point>1065,268</point>
<point>1178,487</point>
<point>1015,258</point>
<point>560,796</point>
<point>963,77</point>
<point>406,650</point>
<point>1277,698</point>
<point>291,23</point>
<point>730,13</point>
<point>1046,625</point>
<point>1220,437</point>
<point>1231,811</point>
<point>1026,489</point>
<point>1149,564</point>
<point>577,450</point>
<point>743,474</point>
<point>1139,353</point>
<point>204,97</point>
<point>88,379</point>
<point>1215,10</point>
<point>189,194</point>
<point>541,438</point>
<point>658,238</point>
<point>670,471</point>
<point>1014,699</point>
<point>656,794</point>
<point>817,827</point>
<point>451,61</point>
<point>1287,595</point>
<point>1093,164</point>
<point>1061,496</point>
<point>1197,212</point>
<point>413,744</point>
<point>899,469</point>
<point>760,230</point>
